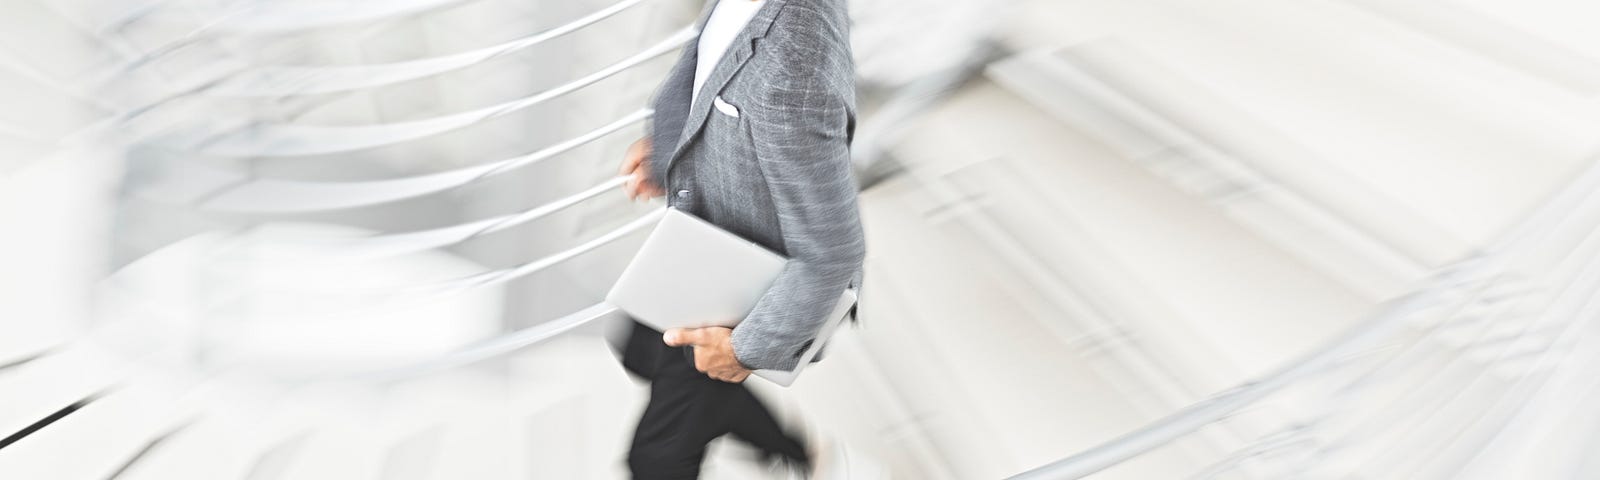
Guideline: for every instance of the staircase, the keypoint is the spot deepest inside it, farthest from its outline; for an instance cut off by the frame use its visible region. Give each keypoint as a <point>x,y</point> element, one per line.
<point>1151,239</point>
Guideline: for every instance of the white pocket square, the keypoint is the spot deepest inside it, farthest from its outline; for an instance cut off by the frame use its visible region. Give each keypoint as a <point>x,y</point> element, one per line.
<point>725,107</point>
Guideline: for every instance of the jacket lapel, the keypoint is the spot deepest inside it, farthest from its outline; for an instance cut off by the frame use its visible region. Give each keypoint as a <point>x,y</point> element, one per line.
<point>738,53</point>
<point>671,103</point>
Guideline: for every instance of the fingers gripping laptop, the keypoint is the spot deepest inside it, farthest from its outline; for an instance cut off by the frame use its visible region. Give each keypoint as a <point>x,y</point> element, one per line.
<point>691,274</point>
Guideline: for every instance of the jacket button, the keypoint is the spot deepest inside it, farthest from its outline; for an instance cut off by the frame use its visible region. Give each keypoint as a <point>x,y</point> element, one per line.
<point>683,194</point>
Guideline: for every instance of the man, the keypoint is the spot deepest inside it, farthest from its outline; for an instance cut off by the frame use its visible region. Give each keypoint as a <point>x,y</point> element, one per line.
<point>752,133</point>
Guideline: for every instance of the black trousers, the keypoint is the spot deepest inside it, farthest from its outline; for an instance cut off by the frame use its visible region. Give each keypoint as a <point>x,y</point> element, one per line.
<point>687,410</point>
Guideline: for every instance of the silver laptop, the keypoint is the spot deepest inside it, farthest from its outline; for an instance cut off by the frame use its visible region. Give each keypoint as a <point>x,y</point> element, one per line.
<point>690,274</point>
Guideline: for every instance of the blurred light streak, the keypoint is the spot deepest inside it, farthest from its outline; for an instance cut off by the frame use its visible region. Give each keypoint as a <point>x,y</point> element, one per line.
<point>1184,116</point>
<point>33,75</point>
<point>272,140</point>
<point>25,135</point>
<point>400,298</point>
<point>1223,404</point>
<point>879,133</point>
<point>1484,36</point>
<point>488,349</point>
<point>341,249</point>
<point>1574,312</point>
<point>504,275</point>
<point>239,194</point>
<point>307,80</point>
<point>287,16</point>
<point>1473,274</point>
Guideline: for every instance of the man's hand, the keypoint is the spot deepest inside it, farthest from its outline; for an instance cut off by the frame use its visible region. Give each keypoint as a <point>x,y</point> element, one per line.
<point>713,351</point>
<point>636,166</point>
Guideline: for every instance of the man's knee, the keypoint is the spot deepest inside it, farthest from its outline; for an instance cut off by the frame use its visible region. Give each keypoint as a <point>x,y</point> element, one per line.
<point>665,460</point>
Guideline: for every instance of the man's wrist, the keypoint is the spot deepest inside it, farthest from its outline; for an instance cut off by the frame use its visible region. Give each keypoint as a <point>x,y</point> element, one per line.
<point>741,349</point>
<point>733,348</point>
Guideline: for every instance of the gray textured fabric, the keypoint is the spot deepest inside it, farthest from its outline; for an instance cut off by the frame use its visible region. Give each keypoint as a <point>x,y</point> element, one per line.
<point>778,173</point>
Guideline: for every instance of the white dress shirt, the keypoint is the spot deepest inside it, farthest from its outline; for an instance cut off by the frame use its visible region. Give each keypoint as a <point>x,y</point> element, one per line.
<point>727,20</point>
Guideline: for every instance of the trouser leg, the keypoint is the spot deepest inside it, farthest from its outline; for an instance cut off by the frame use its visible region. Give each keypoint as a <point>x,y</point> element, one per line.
<point>687,410</point>
<point>670,441</point>
<point>756,425</point>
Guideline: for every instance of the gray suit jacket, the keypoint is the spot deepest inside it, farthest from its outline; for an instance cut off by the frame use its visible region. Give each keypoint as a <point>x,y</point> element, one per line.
<point>778,173</point>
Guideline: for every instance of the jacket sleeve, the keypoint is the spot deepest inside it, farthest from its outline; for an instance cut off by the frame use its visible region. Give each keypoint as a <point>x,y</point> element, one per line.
<point>802,144</point>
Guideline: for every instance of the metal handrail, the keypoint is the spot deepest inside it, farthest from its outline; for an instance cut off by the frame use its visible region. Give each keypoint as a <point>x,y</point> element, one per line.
<point>282,140</point>
<point>307,80</point>
<point>263,18</point>
<point>1220,406</point>
<point>393,244</point>
<point>234,197</point>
